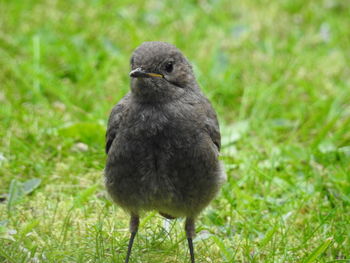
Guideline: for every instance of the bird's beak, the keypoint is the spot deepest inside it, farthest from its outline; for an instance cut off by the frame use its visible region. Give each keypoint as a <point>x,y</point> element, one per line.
<point>140,73</point>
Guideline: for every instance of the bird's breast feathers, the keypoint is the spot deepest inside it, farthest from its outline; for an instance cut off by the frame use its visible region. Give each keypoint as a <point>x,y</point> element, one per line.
<point>158,120</point>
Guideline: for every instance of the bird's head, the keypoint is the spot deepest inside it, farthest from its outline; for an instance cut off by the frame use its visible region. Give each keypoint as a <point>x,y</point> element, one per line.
<point>159,71</point>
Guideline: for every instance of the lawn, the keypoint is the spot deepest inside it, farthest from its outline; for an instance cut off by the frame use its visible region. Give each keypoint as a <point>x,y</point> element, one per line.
<point>278,74</point>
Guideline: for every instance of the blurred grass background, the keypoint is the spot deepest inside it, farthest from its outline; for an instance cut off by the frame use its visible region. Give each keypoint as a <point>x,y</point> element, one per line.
<point>278,74</point>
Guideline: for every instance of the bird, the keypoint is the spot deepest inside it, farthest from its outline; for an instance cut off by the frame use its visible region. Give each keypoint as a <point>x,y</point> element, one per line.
<point>163,142</point>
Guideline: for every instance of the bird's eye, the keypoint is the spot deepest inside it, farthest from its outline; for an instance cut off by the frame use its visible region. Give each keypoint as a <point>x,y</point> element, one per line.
<point>169,66</point>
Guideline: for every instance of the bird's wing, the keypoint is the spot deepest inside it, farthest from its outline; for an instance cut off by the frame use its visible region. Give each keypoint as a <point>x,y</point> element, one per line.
<point>117,114</point>
<point>212,124</point>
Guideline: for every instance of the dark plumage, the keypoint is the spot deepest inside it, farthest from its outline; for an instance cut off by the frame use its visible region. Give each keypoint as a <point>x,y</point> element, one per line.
<point>163,141</point>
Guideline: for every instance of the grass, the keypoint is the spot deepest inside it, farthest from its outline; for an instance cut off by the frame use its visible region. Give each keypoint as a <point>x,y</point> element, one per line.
<point>278,74</point>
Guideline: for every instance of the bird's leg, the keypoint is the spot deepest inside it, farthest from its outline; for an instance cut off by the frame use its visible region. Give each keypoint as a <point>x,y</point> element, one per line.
<point>134,225</point>
<point>190,233</point>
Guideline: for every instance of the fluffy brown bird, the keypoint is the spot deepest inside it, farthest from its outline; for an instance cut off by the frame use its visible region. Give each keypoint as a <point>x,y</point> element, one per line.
<point>163,141</point>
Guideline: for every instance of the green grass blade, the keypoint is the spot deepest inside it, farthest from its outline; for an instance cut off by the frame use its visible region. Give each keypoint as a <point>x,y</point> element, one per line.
<point>15,194</point>
<point>318,251</point>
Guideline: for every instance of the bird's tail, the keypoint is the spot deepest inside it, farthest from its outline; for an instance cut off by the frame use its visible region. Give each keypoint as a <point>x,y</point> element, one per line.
<point>167,216</point>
